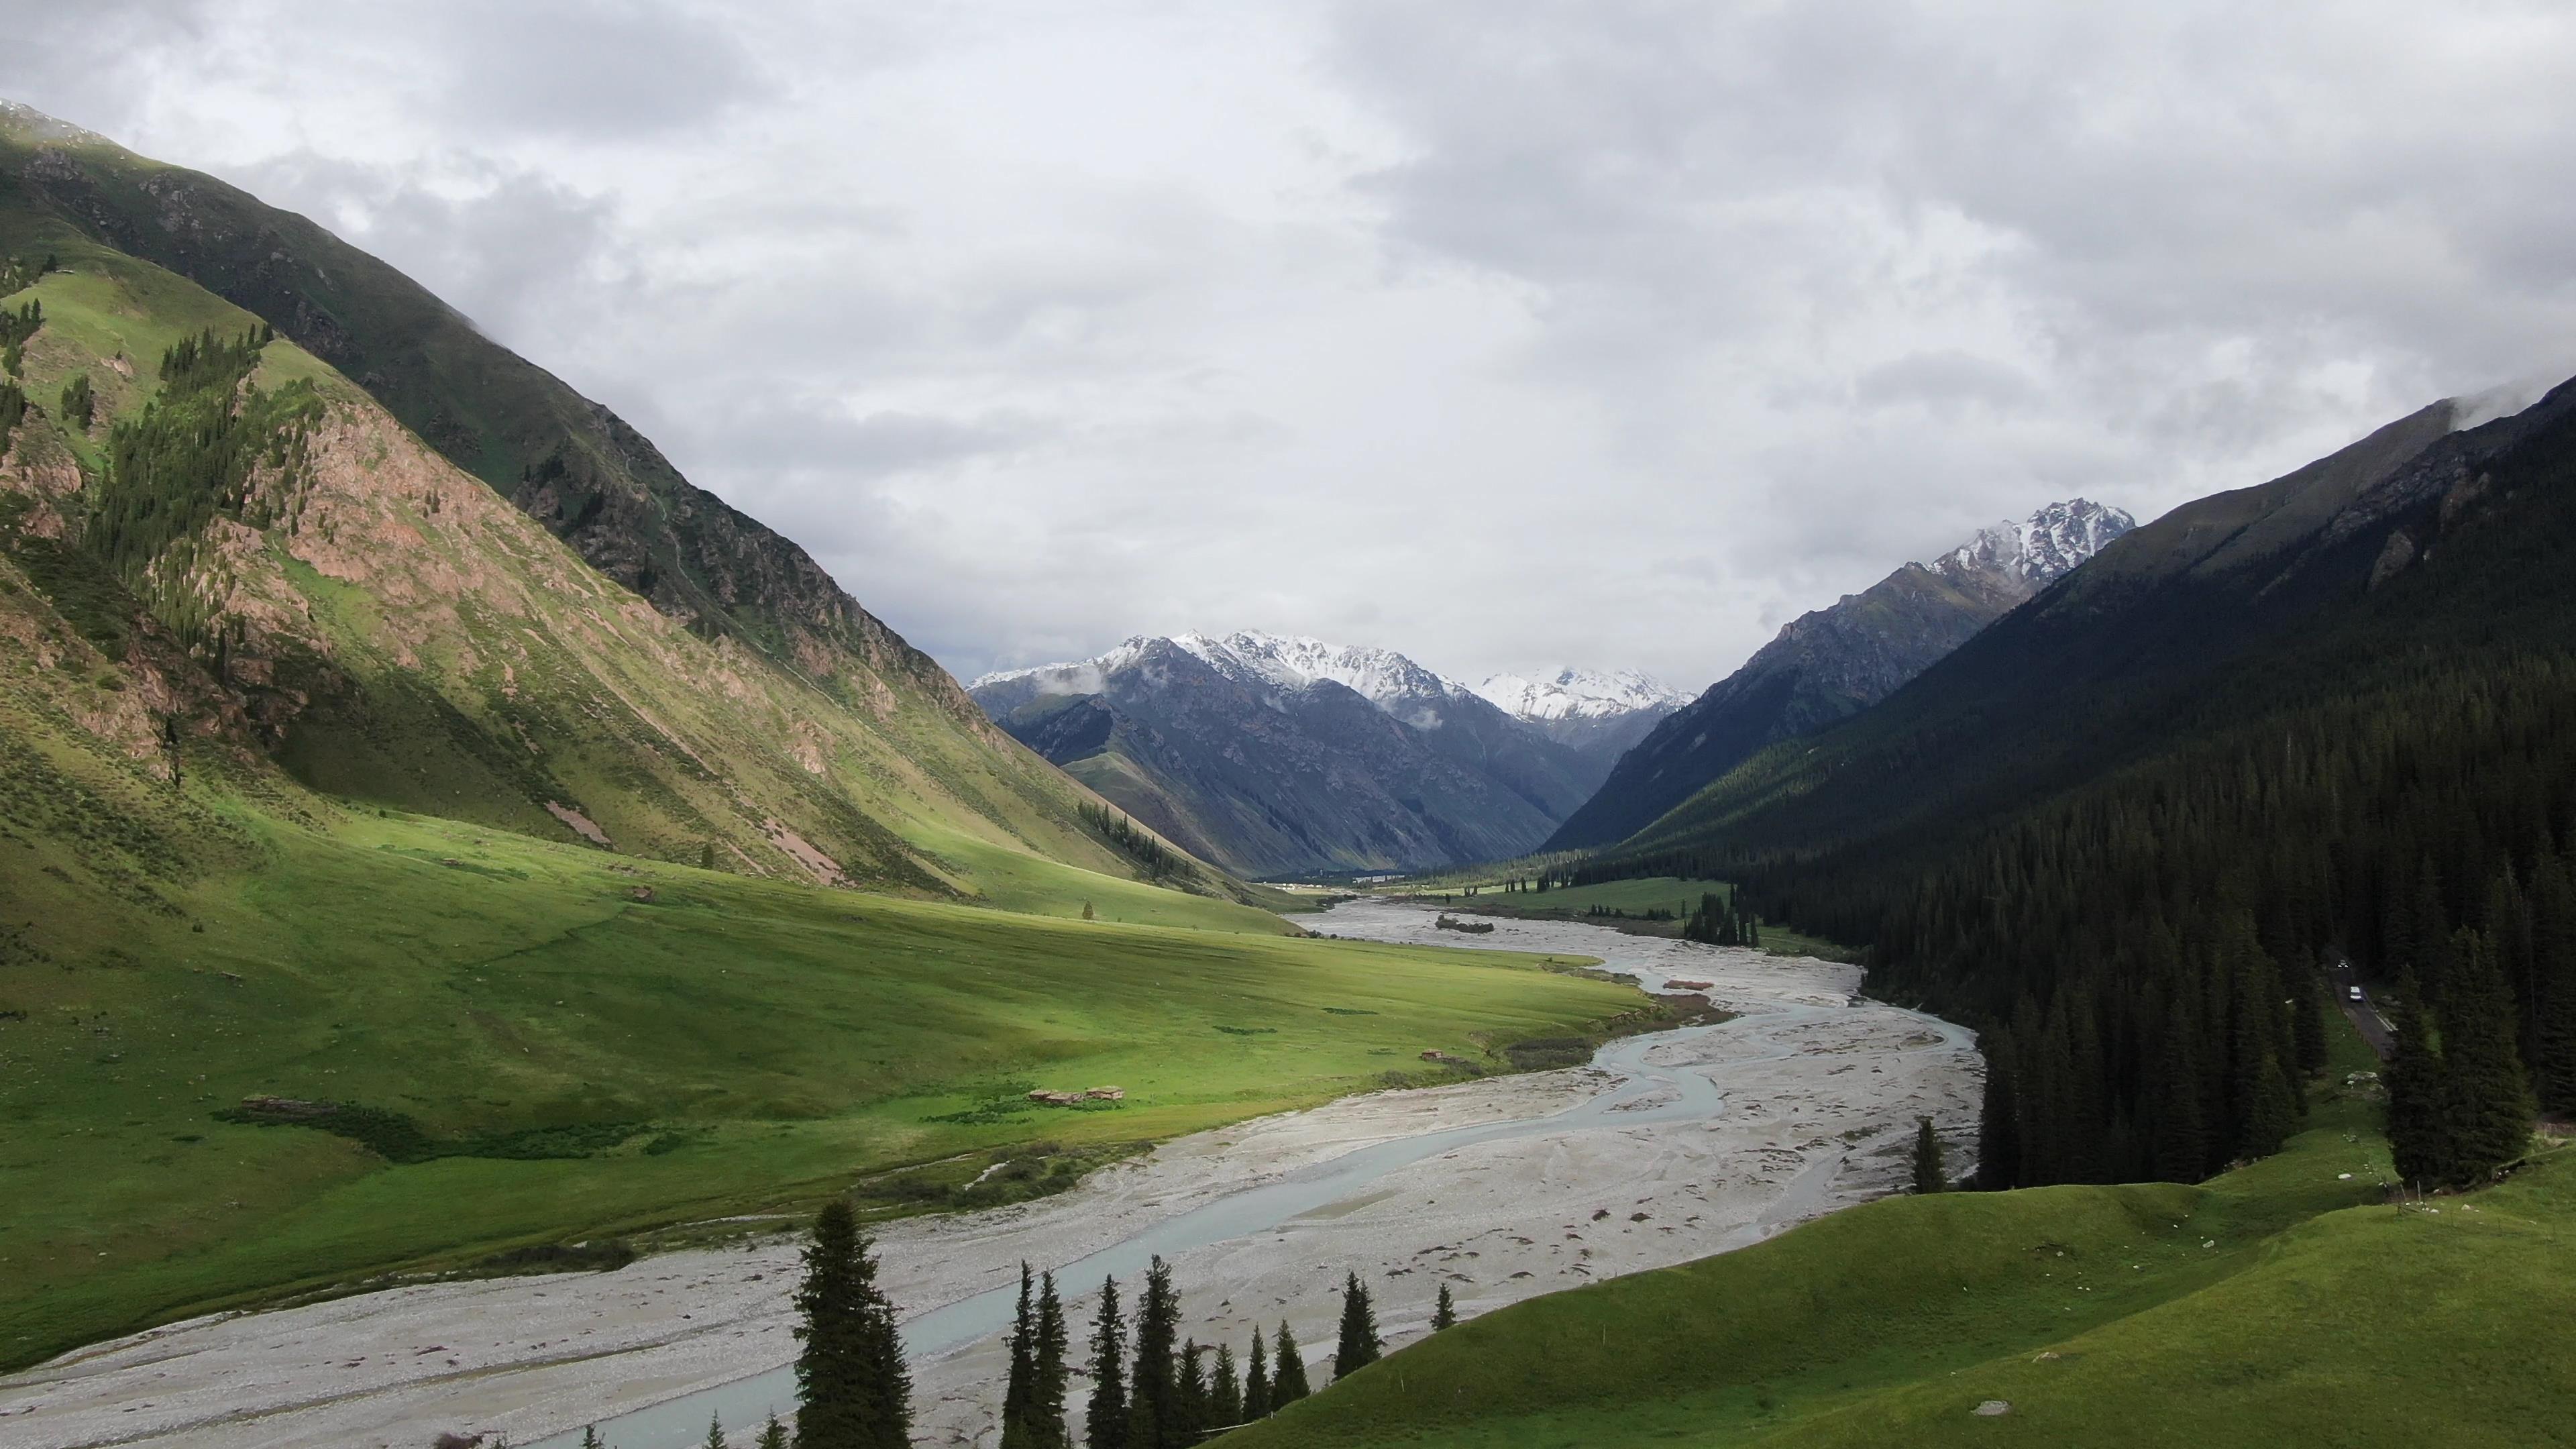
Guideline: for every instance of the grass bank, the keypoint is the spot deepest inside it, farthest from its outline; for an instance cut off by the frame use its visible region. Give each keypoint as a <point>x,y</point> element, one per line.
<point>2279,1304</point>
<point>544,1043</point>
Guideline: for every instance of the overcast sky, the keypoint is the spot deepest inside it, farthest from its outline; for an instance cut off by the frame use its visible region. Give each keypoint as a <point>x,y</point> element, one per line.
<point>1507,333</point>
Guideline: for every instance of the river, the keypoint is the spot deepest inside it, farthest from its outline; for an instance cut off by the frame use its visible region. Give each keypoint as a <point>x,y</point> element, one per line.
<point>1669,1146</point>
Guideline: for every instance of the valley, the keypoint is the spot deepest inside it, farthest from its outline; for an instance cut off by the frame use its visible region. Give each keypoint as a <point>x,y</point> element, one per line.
<point>1669,1146</point>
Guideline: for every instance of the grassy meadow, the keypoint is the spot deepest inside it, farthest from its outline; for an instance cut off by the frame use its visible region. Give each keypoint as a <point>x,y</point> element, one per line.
<point>581,1061</point>
<point>2280,1304</point>
<point>1636,897</point>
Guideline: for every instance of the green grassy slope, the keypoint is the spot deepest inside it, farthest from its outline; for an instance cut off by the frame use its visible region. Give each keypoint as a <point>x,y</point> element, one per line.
<point>2280,1304</point>
<point>730,1045</point>
<point>404,637</point>
<point>189,251</point>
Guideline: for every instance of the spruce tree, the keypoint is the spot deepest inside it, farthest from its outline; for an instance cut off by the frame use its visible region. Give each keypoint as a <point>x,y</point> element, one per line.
<point>1048,1379</point>
<point>1999,1119</point>
<point>1105,1417</point>
<point>852,1391</point>
<point>1359,1345</point>
<point>1016,1388</point>
<point>590,1437</point>
<point>1287,1370</point>
<point>715,1435</point>
<point>2419,1140</point>
<point>1927,1159</point>
<point>1256,1383</point>
<point>1154,1369</point>
<point>2180,1152</point>
<point>1444,1311</point>
<point>1225,1391</point>
<point>773,1435</point>
<point>2490,1099</point>
<point>1189,1398</point>
<point>2553,984</point>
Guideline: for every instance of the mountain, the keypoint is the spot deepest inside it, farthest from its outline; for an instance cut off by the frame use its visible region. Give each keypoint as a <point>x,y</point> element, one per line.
<point>535,624</point>
<point>1281,755</point>
<point>2327,718</point>
<point>1840,660</point>
<point>1599,715</point>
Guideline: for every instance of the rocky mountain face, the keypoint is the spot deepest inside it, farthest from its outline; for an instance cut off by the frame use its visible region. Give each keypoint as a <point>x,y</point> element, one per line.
<point>1834,662</point>
<point>410,568</point>
<point>1599,715</point>
<point>1281,755</point>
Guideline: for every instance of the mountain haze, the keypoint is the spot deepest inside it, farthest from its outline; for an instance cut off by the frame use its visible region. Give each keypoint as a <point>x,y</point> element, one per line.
<point>1837,661</point>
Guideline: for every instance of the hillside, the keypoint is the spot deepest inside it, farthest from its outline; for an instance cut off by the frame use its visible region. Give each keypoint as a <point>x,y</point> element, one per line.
<point>2280,1304</point>
<point>389,628</point>
<point>1830,664</point>
<point>2323,718</point>
<point>1275,755</point>
<point>330,777</point>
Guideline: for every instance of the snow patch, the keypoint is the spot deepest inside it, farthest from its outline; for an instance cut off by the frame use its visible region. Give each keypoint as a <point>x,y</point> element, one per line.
<point>1580,694</point>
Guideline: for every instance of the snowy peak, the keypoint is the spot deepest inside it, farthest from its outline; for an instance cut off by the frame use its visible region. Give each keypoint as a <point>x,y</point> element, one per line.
<point>1269,663</point>
<point>1579,694</point>
<point>2039,549</point>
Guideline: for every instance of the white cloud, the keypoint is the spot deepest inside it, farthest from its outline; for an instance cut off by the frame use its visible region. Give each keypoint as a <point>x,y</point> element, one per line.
<point>1504,332</point>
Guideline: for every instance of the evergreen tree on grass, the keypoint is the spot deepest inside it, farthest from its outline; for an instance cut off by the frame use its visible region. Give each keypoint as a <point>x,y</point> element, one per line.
<point>1999,1119</point>
<point>2418,1140</point>
<point>2490,1098</point>
<point>1017,1388</point>
<point>1105,1417</point>
<point>1189,1398</point>
<point>1287,1371</point>
<point>852,1391</point>
<point>1154,1372</point>
<point>1444,1311</point>
<point>1359,1345</point>
<point>1048,1378</point>
<point>1927,1160</point>
<point>1225,1392</point>
<point>1256,1383</point>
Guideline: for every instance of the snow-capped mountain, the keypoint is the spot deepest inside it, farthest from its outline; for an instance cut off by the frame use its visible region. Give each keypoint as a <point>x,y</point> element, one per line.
<point>1282,753</point>
<point>1580,694</point>
<point>2039,548</point>
<point>1840,660</point>
<point>1598,714</point>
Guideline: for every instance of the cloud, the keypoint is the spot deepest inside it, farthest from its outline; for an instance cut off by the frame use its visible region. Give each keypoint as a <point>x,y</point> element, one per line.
<point>1510,333</point>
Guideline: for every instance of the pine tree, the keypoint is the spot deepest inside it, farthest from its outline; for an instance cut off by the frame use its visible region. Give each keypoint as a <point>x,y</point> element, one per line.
<point>2419,1140</point>
<point>1444,1312</point>
<point>1154,1370</point>
<point>1048,1379</point>
<point>1287,1370</point>
<point>1927,1159</point>
<point>715,1435</point>
<point>590,1437</point>
<point>1999,1120</point>
<point>1225,1391</point>
<point>1017,1388</point>
<point>1256,1383</point>
<point>2490,1098</point>
<point>773,1435</point>
<point>852,1391</point>
<point>1359,1345</point>
<point>2181,1149</point>
<point>1105,1417</point>
<point>1189,1398</point>
<point>2553,975</point>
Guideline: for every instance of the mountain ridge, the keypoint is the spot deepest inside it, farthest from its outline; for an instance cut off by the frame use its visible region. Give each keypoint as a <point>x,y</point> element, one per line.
<point>1832,662</point>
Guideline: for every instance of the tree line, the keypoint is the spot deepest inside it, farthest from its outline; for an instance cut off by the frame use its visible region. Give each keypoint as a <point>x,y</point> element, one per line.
<point>2146,942</point>
<point>1151,1387</point>
<point>1156,860</point>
